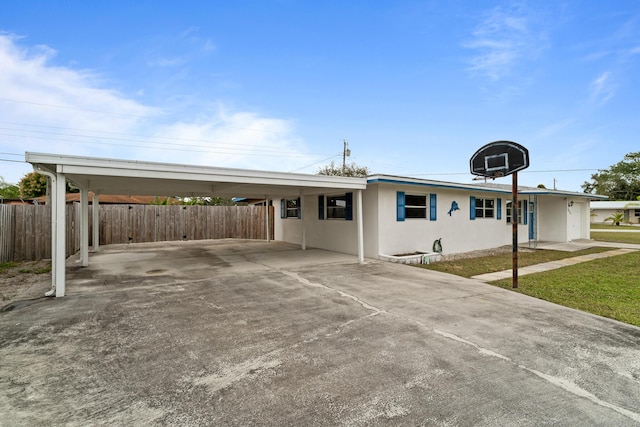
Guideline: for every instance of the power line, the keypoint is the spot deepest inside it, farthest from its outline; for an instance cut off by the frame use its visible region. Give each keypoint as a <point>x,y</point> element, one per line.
<point>65,107</point>
<point>12,161</point>
<point>177,147</point>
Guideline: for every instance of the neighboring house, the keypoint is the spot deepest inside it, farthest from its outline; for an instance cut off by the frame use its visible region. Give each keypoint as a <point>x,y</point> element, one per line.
<point>600,210</point>
<point>406,215</point>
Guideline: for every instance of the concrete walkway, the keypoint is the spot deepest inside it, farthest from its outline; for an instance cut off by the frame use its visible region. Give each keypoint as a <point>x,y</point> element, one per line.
<point>621,249</point>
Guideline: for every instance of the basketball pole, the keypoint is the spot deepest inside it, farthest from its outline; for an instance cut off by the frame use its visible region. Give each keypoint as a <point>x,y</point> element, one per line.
<point>514,227</point>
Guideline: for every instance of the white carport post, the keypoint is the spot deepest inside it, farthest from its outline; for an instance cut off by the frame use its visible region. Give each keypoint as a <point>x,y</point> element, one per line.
<point>84,227</point>
<point>303,243</point>
<point>360,226</point>
<point>266,205</point>
<point>59,254</point>
<point>95,204</point>
<point>51,189</point>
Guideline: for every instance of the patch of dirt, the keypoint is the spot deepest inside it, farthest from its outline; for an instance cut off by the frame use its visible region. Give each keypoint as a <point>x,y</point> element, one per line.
<point>484,252</point>
<point>26,280</point>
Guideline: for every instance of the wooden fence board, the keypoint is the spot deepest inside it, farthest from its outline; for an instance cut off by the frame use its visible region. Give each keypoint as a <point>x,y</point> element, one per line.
<point>25,230</point>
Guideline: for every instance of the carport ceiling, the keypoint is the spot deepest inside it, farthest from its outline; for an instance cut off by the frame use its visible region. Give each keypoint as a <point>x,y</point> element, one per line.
<point>113,176</point>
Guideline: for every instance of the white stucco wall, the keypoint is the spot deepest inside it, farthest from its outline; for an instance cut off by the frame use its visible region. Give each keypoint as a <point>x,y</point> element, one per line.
<point>332,234</point>
<point>458,232</point>
<point>552,222</point>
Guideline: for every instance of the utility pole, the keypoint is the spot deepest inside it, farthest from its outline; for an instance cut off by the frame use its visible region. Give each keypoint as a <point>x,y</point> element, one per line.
<point>345,153</point>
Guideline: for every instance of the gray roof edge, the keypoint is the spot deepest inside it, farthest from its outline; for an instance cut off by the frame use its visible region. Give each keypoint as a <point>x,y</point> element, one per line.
<point>98,162</point>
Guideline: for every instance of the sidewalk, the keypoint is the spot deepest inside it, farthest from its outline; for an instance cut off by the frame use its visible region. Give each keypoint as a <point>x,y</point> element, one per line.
<point>621,248</point>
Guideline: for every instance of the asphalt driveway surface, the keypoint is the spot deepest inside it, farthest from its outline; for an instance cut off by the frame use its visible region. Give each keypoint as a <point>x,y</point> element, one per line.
<point>256,333</point>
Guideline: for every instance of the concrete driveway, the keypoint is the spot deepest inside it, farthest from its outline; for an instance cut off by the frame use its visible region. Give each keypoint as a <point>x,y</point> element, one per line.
<point>256,333</point>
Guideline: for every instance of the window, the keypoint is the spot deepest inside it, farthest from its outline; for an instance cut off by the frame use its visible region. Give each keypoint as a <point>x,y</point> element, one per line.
<point>636,213</point>
<point>520,216</point>
<point>415,206</point>
<point>337,207</point>
<point>485,208</point>
<point>290,208</point>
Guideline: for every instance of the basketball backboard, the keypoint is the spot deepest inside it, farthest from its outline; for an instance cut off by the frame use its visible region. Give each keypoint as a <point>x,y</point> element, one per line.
<point>499,158</point>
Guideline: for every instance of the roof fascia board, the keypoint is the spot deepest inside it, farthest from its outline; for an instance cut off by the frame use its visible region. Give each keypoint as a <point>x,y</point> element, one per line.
<point>470,187</point>
<point>135,169</point>
<point>447,185</point>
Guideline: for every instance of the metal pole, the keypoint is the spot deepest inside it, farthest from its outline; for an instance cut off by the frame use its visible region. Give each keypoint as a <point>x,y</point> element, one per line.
<point>514,227</point>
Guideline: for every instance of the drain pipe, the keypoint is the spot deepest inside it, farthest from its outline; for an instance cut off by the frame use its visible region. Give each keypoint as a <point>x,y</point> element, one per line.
<point>54,222</point>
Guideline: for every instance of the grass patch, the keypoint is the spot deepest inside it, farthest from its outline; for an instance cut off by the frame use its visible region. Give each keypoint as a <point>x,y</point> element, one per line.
<point>7,265</point>
<point>614,227</point>
<point>469,267</point>
<point>607,287</point>
<point>603,236</point>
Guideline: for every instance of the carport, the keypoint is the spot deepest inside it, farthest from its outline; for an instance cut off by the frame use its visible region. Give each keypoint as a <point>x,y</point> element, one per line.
<point>114,176</point>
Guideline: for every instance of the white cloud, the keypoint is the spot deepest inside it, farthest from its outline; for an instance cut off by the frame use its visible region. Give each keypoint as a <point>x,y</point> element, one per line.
<point>502,40</point>
<point>50,108</point>
<point>602,89</point>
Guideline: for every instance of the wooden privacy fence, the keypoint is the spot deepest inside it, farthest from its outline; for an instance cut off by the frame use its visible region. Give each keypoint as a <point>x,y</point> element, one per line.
<point>25,230</point>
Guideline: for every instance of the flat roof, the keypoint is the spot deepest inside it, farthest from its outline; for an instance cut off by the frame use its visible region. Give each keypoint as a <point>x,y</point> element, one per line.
<point>485,186</point>
<point>131,177</point>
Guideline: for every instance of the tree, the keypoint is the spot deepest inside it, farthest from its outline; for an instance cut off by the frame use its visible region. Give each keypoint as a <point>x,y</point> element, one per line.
<point>33,185</point>
<point>8,191</point>
<point>620,182</point>
<point>616,218</point>
<point>348,170</point>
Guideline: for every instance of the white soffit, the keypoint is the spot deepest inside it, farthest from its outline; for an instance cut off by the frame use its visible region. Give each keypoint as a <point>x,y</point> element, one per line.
<point>114,176</point>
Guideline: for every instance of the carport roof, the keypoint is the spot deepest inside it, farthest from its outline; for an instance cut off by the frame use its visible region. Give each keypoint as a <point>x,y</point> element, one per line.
<point>115,176</point>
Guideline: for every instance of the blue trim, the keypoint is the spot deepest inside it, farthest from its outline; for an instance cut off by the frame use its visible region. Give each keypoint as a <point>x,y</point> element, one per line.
<point>400,210</point>
<point>348,211</point>
<point>299,208</point>
<point>424,184</point>
<point>433,200</point>
<point>499,208</point>
<point>472,207</point>
<point>525,209</point>
<point>283,209</point>
<point>321,207</point>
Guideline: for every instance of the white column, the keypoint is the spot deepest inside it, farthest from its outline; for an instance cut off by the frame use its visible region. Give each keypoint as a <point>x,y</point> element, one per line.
<point>84,227</point>
<point>54,227</point>
<point>266,205</point>
<point>360,226</point>
<point>303,244</point>
<point>96,222</point>
<point>59,255</point>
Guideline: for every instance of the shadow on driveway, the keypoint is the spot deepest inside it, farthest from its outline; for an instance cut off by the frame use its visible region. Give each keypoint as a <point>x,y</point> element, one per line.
<point>257,333</point>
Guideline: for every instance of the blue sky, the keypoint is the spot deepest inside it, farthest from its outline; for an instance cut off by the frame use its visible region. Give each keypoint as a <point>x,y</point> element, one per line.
<point>415,87</point>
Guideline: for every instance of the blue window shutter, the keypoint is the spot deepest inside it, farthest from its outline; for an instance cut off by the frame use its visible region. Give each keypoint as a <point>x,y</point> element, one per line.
<point>499,209</point>
<point>472,209</point>
<point>299,208</point>
<point>525,206</point>
<point>348,211</point>
<point>283,208</point>
<point>400,206</point>
<point>321,207</point>
<point>433,199</point>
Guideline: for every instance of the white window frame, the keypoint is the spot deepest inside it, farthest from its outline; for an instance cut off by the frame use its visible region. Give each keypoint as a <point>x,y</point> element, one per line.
<point>508,212</point>
<point>419,208</point>
<point>482,210</point>
<point>291,209</point>
<point>333,212</point>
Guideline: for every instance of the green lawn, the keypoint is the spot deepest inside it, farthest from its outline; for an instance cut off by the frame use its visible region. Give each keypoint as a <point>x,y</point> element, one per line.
<point>604,236</point>
<point>607,287</point>
<point>489,264</point>
<point>614,227</point>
